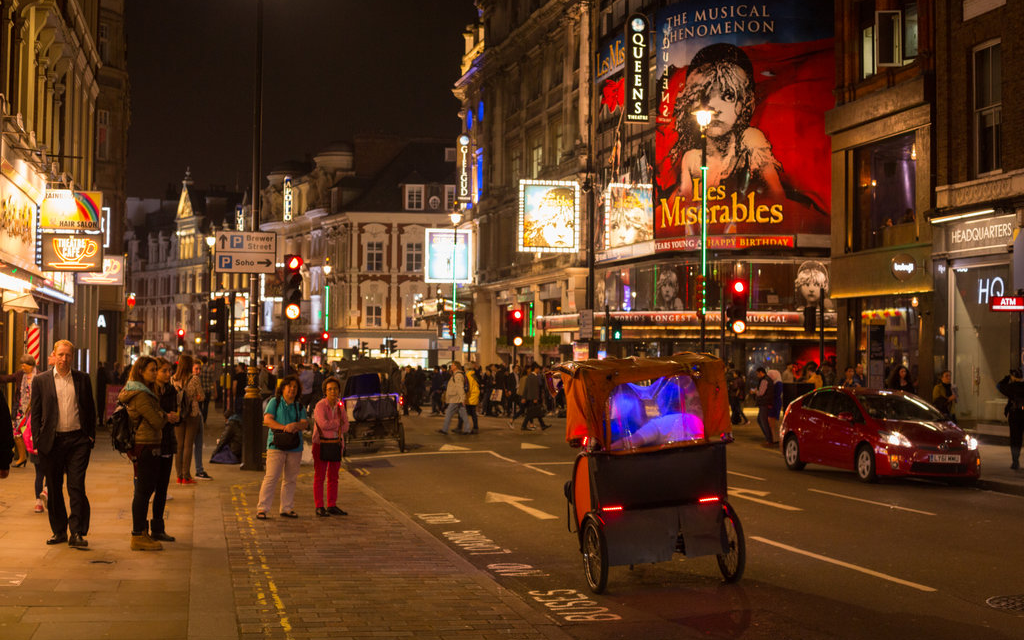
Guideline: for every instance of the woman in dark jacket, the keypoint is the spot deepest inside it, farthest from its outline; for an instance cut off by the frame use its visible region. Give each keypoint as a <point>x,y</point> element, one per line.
<point>139,395</point>
<point>1012,386</point>
<point>169,402</point>
<point>899,380</point>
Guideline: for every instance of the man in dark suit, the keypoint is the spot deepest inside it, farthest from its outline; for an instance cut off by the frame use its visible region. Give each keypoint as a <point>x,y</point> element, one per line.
<point>6,439</point>
<point>64,430</point>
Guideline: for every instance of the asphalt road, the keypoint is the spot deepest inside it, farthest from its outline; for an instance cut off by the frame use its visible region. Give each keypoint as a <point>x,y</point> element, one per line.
<point>827,556</point>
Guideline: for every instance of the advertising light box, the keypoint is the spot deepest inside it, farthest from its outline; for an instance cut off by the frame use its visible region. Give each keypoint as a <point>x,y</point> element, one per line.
<point>628,214</point>
<point>549,216</point>
<point>72,252</point>
<point>766,73</point>
<point>446,249</point>
<point>112,274</point>
<point>66,210</point>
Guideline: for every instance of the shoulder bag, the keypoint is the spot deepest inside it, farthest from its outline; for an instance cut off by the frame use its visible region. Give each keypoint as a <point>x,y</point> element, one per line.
<point>330,448</point>
<point>286,440</point>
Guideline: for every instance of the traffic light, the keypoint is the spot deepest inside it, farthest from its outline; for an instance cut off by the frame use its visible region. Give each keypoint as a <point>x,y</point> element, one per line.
<point>737,309</point>
<point>616,330</point>
<point>181,340</point>
<point>291,298</point>
<point>219,318</point>
<point>514,326</point>
<point>469,331</point>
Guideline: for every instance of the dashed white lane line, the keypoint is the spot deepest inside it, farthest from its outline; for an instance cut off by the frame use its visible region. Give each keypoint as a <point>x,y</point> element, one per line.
<point>880,504</point>
<point>845,565</point>
<point>743,475</point>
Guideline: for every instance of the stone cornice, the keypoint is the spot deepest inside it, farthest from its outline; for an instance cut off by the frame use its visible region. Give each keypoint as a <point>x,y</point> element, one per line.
<point>983,190</point>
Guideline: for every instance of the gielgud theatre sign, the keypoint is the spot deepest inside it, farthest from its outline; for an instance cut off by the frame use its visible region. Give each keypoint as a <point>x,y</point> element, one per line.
<point>766,71</point>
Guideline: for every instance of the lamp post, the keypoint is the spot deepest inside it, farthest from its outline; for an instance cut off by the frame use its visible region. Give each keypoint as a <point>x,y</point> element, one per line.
<point>327,302</point>
<point>210,240</point>
<point>456,218</point>
<point>703,117</point>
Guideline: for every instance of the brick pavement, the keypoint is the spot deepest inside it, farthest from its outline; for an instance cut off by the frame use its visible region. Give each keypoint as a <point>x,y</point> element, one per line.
<point>372,574</point>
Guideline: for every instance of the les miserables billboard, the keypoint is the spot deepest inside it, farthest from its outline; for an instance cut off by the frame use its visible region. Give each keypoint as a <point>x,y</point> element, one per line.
<point>766,72</point>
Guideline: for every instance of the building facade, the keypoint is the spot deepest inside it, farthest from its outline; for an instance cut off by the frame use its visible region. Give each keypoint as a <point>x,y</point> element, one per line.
<point>979,202</point>
<point>49,65</point>
<point>553,78</point>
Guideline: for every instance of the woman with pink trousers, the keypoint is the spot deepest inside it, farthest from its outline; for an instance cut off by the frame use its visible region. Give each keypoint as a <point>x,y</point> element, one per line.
<point>331,423</point>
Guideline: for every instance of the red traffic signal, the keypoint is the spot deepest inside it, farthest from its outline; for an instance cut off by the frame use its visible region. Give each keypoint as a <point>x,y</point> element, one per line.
<point>739,287</point>
<point>517,315</point>
<point>325,336</point>
<point>181,333</point>
<point>302,339</point>
<point>292,263</point>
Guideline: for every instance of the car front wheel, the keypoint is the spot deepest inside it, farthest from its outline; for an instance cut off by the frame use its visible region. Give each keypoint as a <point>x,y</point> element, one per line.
<point>865,463</point>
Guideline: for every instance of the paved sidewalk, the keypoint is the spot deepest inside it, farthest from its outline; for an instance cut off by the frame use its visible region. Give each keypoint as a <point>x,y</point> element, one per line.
<point>374,573</point>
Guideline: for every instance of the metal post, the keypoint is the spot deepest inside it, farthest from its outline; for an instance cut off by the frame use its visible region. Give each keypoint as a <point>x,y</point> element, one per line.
<point>252,440</point>
<point>703,235</point>
<point>209,299</point>
<point>455,244</point>
<point>722,348</point>
<point>821,330</point>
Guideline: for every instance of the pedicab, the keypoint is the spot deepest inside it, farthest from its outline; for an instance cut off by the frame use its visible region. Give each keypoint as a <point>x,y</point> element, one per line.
<point>650,479</point>
<point>370,389</point>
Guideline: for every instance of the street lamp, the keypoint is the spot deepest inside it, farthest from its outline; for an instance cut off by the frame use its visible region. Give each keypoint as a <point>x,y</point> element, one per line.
<point>456,218</point>
<point>210,240</point>
<point>704,117</point>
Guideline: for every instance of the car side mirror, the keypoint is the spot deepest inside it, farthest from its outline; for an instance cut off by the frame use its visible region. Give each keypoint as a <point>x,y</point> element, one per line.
<point>845,416</point>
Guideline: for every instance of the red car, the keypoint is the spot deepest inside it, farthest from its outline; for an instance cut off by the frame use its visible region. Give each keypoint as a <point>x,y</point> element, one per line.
<point>876,433</point>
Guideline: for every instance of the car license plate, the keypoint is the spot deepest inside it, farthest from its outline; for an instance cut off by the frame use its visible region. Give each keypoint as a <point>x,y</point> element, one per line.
<point>944,457</point>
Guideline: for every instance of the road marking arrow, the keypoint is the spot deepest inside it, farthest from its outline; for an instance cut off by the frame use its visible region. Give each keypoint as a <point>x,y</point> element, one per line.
<point>452,447</point>
<point>527,445</point>
<point>748,494</point>
<point>516,501</point>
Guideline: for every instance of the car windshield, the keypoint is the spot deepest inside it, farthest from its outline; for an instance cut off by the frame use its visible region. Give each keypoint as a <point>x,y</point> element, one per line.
<point>896,407</point>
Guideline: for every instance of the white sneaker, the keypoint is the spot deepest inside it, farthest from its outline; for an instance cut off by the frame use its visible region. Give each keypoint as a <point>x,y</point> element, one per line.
<point>39,505</point>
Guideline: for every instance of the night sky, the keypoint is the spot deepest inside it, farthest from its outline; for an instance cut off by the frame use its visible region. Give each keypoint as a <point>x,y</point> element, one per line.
<point>331,68</point>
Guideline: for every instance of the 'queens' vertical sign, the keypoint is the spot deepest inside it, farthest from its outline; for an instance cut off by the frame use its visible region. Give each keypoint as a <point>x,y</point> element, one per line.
<point>637,49</point>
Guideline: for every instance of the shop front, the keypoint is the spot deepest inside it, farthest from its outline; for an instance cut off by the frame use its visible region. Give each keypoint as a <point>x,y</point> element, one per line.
<point>974,267</point>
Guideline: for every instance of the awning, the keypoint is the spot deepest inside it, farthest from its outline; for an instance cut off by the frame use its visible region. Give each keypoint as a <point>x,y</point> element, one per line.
<point>18,301</point>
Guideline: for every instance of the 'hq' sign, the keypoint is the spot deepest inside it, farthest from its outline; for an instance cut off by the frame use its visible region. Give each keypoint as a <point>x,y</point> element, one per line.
<point>637,50</point>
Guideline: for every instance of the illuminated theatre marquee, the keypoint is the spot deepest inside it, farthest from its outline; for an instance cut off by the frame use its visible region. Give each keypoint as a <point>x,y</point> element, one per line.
<point>549,216</point>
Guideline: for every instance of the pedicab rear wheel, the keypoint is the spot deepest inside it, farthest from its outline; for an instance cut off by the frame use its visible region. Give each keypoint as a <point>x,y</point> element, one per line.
<point>595,556</point>
<point>734,560</point>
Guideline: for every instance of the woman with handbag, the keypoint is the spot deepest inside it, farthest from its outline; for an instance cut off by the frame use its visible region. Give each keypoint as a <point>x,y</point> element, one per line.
<point>286,420</point>
<point>190,394</point>
<point>330,423</point>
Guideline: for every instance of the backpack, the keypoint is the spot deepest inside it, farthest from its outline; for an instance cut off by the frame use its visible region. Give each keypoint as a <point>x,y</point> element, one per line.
<point>122,431</point>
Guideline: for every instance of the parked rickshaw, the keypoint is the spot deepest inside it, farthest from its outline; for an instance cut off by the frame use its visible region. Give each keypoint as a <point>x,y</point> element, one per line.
<point>650,480</point>
<point>371,390</point>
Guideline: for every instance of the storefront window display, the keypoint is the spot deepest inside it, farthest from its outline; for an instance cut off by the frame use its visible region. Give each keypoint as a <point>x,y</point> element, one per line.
<point>890,337</point>
<point>980,340</point>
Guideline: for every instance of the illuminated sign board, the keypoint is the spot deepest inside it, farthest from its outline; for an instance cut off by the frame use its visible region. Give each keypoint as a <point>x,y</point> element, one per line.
<point>72,252</point>
<point>903,266</point>
<point>447,249</point>
<point>464,164</point>
<point>549,216</point>
<point>628,214</point>
<point>637,52</point>
<point>112,274</point>
<point>1006,303</point>
<point>768,73</point>
<point>66,210</point>
<point>288,202</point>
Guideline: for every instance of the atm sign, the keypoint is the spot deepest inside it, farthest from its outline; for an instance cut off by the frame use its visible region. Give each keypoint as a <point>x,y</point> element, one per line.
<point>1006,303</point>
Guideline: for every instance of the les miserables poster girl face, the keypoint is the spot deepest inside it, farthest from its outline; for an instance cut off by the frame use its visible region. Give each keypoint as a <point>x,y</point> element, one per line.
<point>765,72</point>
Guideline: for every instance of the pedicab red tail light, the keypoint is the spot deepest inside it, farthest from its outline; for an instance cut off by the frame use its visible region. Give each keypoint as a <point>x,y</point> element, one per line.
<point>611,508</point>
<point>709,499</point>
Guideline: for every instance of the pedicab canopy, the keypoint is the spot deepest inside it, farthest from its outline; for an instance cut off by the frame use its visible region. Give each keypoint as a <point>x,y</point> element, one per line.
<point>630,404</point>
<point>369,376</point>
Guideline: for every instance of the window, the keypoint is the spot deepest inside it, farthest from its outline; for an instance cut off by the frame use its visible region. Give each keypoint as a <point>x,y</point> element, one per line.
<point>374,318</point>
<point>414,197</point>
<point>515,164</point>
<point>449,154</point>
<point>889,37</point>
<point>103,42</point>
<point>885,184</point>
<point>374,256</point>
<point>536,157</point>
<point>414,256</point>
<point>449,197</point>
<point>988,108</point>
<point>102,134</point>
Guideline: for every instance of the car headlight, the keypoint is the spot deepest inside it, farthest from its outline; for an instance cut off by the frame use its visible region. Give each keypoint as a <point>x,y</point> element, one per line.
<point>895,438</point>
<point>971,442</point>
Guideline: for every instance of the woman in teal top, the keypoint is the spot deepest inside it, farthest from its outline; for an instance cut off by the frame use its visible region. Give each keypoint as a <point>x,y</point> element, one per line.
<point>283,416</point>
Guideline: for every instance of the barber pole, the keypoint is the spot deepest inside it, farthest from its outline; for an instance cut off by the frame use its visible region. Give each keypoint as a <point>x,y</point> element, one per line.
<point>32,341</point>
